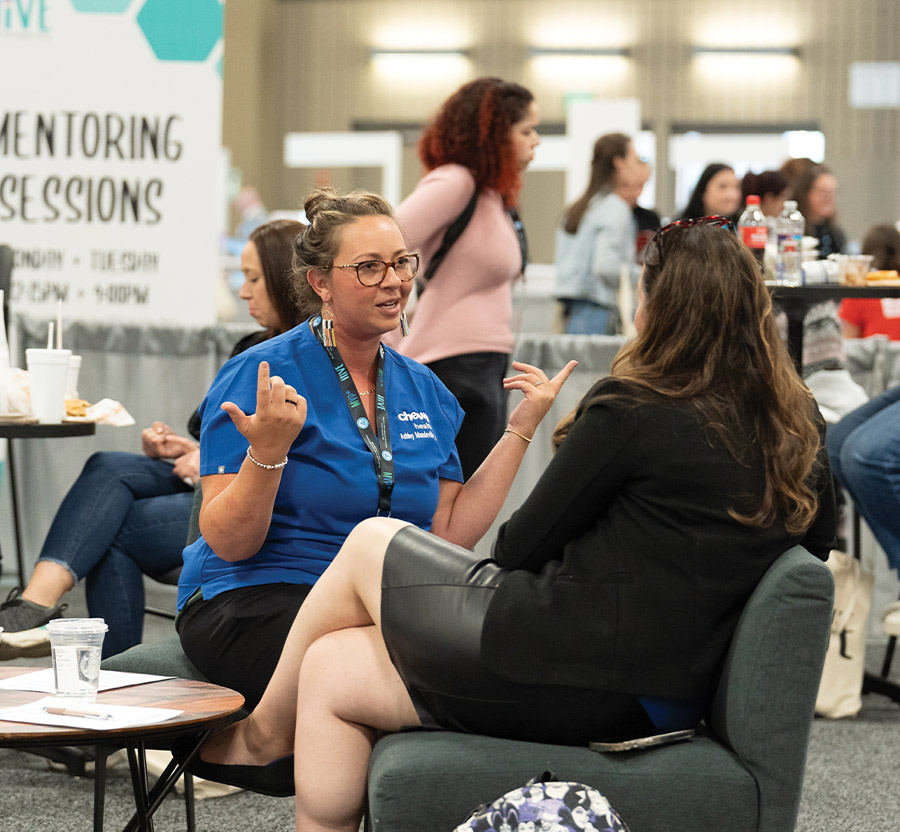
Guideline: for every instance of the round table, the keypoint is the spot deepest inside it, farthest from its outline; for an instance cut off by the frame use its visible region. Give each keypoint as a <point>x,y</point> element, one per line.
<point>205,707</point>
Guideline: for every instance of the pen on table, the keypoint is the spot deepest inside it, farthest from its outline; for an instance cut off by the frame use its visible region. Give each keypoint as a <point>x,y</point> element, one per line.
<point>72,712</point>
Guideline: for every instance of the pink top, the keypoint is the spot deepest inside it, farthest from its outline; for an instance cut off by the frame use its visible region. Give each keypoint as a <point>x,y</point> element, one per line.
<point>467,306</point>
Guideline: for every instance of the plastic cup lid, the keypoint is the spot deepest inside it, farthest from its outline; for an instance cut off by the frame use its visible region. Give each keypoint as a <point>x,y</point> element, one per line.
<point>76,626</point>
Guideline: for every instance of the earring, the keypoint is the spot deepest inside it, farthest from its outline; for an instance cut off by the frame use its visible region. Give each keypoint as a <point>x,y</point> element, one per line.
<point>327,327</point>
<point>404,324</point>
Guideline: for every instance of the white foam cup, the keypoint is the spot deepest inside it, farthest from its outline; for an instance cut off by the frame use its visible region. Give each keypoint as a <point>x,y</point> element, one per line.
<point>48,371</point>
<point>72,377</point>
<point>75,645</point>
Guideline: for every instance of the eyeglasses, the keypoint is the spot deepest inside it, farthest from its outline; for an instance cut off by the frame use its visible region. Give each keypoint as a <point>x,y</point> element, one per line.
<point>372,272</point>
<point>659,237</point>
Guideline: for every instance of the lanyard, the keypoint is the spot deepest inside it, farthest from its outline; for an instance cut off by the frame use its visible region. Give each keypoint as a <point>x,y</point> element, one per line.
<point>379,444</point>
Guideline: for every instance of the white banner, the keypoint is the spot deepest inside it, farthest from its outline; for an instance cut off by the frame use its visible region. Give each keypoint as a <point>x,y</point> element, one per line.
<point>110,171</point>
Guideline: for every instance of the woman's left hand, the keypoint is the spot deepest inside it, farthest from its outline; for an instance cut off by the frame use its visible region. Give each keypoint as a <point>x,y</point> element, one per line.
<point>540,393</point>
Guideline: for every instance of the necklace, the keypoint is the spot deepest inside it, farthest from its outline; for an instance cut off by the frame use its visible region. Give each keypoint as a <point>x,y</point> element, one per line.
<point>367,392</point>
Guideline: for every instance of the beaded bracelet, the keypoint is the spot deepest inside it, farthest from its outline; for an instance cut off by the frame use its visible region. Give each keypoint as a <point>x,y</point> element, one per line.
<point>521,435</point>
<point>262,464</point>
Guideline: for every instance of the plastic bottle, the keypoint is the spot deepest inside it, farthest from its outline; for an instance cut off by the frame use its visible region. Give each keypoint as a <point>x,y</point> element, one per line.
<point>753,230</point>
<point>789,227</point>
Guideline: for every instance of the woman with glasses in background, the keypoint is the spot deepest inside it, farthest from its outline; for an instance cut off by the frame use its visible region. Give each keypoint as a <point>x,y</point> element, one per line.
<point>309,433</point>
<point>474,151</point>
<point>613,592</point>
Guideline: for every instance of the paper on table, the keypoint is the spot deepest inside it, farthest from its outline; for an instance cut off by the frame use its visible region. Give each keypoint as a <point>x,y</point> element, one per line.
<point>42,681</point>
<point>120,716</point>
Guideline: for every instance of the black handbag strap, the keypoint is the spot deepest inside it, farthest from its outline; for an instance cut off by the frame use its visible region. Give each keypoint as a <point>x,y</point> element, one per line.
<point>456,228</point>
<point>520,234</point>
<point>452,234</point>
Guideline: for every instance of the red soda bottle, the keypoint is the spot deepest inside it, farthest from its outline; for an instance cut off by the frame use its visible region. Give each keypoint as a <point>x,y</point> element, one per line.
<point>753,230</point>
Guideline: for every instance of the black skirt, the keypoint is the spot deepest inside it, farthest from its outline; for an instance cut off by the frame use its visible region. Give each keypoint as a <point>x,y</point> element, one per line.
<point>435,596</point>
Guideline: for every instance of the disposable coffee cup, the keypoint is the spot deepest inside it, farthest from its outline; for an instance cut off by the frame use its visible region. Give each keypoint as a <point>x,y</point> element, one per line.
<point>48,371</point>
<point>72,377</point>
<point>75,645</point>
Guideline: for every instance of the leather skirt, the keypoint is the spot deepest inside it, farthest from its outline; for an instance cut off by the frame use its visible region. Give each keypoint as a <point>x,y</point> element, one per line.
<point>435,596</point>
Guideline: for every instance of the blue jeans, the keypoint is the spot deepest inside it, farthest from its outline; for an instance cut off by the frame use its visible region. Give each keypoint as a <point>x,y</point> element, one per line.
<point>125,516</point>
<point>586,318</point>
<point>864,449</point>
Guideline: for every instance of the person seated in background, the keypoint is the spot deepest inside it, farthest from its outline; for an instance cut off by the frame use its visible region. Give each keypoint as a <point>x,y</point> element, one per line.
<point>815,190</point>
<point>598,238</point>
<point>127,514</point>
<point>613,592</point>
<point>863,317</point>
<point>771,186</point>
<point>717,193</point>
<point>342,428</point>
<point>864,448</point>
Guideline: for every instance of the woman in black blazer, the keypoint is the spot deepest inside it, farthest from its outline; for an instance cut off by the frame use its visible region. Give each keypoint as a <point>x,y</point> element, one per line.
<point>613,591</point>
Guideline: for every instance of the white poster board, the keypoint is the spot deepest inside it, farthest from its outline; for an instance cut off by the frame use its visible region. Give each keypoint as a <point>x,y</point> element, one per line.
<point>110,135</point>
<point>586,121</point>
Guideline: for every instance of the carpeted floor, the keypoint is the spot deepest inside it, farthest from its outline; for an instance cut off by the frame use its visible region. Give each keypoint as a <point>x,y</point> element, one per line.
<point>852,778</point>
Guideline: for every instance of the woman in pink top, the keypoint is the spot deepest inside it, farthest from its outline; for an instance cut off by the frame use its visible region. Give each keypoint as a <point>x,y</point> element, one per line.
<point>481,141</point>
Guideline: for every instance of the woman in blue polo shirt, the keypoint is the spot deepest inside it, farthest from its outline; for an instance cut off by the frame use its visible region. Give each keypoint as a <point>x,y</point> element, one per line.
<point>342,428</point>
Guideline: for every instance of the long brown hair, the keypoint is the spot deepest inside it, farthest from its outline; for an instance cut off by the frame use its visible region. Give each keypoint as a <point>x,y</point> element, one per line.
<point>274,243</point>
<point>607,149</point>
<point>710,338</point>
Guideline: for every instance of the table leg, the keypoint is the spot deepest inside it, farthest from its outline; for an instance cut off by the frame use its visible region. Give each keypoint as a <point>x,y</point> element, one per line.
<point>100,754</point>
<point>137,765</point>
<point>189,802</point>
<point>14,497</point>
<point>147,802</point>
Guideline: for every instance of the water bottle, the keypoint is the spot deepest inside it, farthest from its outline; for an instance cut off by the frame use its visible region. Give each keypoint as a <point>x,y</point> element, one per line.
<point>789,226</point>
<point>752,229</point>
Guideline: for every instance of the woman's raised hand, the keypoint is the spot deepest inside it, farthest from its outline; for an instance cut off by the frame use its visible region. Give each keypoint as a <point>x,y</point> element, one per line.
<point>540,393</point>
<point>280,415</point>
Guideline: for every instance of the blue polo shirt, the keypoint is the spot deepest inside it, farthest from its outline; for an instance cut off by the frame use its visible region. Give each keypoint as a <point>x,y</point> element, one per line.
<point>329,484</point>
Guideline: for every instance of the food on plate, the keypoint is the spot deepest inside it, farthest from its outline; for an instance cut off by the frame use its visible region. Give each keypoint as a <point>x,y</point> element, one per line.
<point>76,407</point>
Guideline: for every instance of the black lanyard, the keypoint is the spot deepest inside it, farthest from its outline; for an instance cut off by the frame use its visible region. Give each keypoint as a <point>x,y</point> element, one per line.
<point>380,444</point>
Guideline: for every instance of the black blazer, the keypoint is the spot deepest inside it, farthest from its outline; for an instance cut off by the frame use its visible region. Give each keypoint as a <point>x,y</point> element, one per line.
<point>629,573</point>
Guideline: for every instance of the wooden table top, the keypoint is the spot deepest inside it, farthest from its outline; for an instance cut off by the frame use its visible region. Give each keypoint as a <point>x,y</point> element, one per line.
<point>203,705</point>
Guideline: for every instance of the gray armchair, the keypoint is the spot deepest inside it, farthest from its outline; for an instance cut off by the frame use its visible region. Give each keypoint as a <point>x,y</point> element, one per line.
<point>742,773</point>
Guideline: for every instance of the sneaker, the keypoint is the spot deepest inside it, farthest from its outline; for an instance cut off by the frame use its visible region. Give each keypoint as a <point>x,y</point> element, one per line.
<point>24,626</point>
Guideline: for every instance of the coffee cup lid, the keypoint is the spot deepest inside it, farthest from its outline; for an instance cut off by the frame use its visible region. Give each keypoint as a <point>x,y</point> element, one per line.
<point>76,626</point>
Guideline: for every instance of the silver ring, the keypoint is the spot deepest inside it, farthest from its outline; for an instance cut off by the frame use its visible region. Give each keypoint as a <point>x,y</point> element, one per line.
<point>538,384</point>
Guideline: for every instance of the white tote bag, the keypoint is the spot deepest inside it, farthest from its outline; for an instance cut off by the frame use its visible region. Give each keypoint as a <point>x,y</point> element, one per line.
<point>840,691</point>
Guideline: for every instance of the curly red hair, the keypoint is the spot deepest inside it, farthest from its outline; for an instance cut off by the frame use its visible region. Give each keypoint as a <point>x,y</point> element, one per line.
<point>472,129</point>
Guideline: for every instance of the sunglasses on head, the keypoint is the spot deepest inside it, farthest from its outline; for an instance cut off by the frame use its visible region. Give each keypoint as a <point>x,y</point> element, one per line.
<point>658,239</point>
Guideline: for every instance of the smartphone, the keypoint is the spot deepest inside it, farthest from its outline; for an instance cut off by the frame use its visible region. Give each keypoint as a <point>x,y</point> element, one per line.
<point>643,742</point>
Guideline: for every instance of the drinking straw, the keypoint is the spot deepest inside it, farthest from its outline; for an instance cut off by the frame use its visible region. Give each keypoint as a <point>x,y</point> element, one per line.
<point>59,324</point>
<point>50,335</point>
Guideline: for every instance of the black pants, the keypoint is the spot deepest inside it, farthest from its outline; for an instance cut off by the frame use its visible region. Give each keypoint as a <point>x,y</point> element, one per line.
<point>235,639</point>
<point>476,379</point>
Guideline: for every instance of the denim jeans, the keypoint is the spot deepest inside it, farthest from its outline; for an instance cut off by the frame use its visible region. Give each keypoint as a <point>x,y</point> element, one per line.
<point>125,516</point>
<point>586,318</point>
<point>864,449</point>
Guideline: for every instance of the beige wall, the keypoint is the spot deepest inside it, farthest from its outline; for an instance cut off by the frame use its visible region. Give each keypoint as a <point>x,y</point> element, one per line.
<point>300,65</point>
